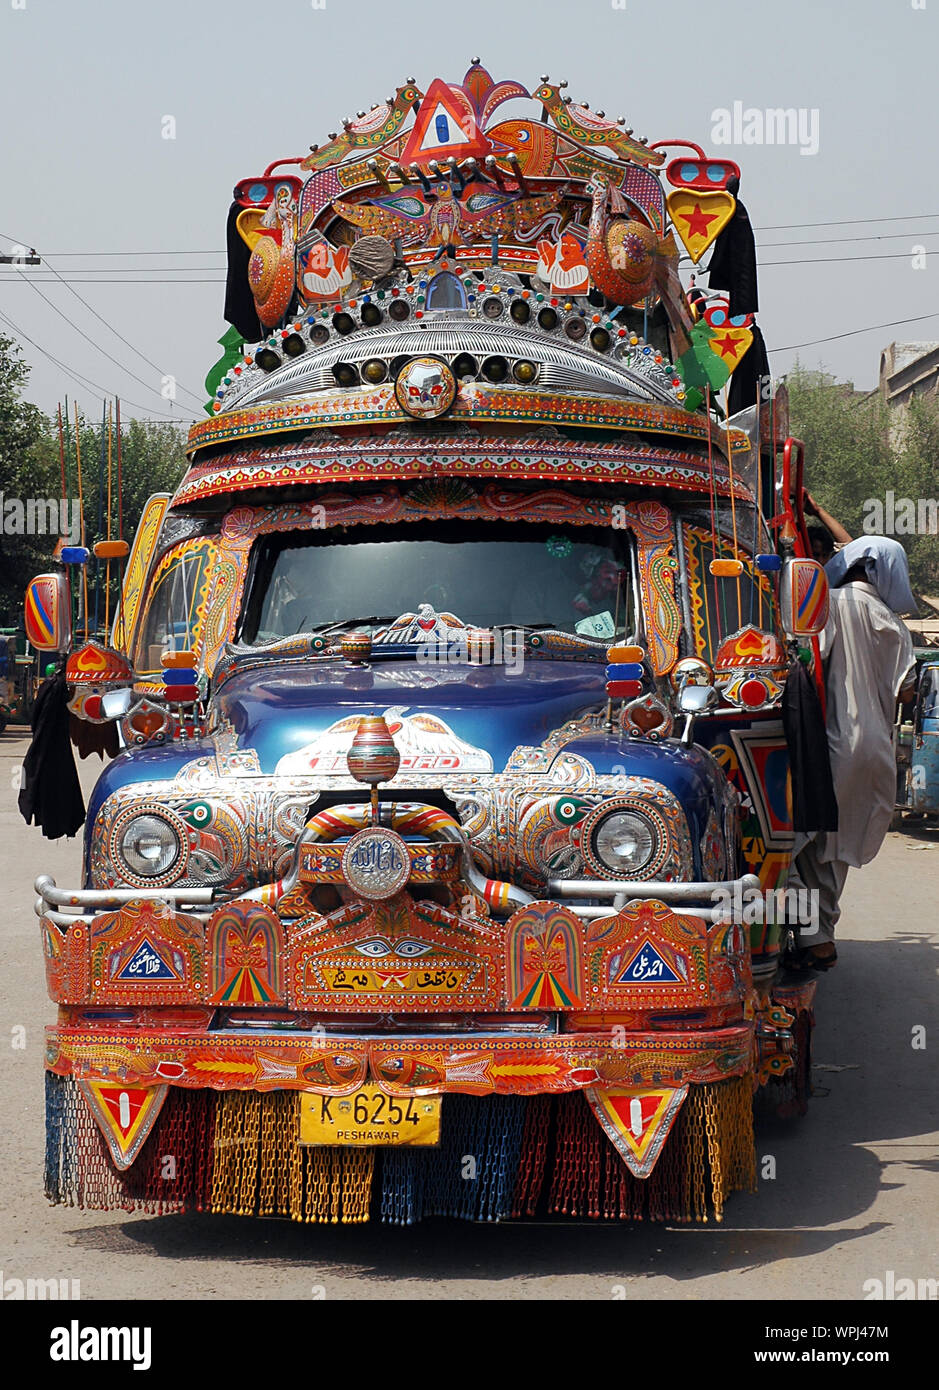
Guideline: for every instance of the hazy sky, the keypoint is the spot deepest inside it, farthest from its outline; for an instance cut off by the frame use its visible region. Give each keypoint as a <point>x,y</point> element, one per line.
<point>87,85</point>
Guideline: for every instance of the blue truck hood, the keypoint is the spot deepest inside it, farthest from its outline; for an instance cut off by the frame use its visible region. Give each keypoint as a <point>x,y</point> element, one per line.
<point>300,717</point>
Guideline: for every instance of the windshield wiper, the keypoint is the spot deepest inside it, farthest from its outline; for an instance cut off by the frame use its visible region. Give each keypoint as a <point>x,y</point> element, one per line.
<point>323,628</point>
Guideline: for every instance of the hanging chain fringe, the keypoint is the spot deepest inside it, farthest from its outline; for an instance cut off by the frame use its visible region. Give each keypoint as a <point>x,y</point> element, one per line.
<point>238,1152</point>
<point>708,1154</point>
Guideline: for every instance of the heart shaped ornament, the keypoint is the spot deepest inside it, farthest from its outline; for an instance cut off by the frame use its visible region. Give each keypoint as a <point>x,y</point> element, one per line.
<point>699,218</point>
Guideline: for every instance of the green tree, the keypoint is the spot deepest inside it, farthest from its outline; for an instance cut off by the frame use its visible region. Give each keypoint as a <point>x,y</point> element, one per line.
<point>917,477</point>
<point>847,453</point>
<point>857,450</point>
<point>27,469</point>
<point>152,460</point>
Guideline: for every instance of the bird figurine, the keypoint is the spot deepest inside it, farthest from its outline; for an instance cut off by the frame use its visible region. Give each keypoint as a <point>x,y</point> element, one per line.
<point>366,132</point>
<point>442,217</point>
<point>270,235</point>
<point>587,128</point>
<point>621,251</point>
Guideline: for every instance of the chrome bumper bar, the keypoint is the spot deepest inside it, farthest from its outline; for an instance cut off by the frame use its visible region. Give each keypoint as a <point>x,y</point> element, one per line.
<point>82,901</point>
<point>699,899</point>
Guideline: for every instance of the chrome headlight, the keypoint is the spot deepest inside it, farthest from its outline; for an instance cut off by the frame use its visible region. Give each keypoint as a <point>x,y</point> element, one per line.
<point>622,842</point>
<point>149,846</point>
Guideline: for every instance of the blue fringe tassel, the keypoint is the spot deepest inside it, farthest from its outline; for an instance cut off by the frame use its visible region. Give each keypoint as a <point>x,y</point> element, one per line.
<point>61,1138</point>
<point>471,1174</point>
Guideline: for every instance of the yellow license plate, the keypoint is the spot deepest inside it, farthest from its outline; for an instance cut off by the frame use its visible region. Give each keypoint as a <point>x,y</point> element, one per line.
<point>369,1116</point>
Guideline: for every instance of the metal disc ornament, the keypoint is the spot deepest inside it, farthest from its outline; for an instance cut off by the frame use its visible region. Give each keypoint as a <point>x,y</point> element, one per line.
<point>376,863</point>
<point>425,388</point>
<point>372,257</point>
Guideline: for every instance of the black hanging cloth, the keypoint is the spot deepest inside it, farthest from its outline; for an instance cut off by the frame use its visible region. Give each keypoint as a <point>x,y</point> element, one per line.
<point>51,794</point>
<point>813,793</point>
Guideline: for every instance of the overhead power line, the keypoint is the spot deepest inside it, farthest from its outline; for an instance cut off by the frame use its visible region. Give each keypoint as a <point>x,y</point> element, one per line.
<point>840,240</point>
<point>83,381</point>
<point>108,326</point>
<point>113,280</point>
<point>853,333</point>
<point>841,260</point>
<point>145,384</point>
<point>851,222</point>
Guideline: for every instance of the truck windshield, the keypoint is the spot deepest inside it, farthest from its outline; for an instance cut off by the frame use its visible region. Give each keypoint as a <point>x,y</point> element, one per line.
<point>484,574</point>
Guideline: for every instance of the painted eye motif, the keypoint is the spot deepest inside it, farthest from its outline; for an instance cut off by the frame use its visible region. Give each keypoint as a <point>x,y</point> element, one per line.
<point>413,948</point>
<point>374,948</point>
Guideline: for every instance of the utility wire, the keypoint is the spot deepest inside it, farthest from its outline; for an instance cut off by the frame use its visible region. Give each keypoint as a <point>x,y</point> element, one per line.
<point>851,222</point>
<point>874,328</point>
<point>780,227</point>
<point>84,382</point>
<point>60,255</point>
<point>841,260</point>
<point>107,325</point>
<point>113,330</point>
<point>84,335</point>
<point>84,280</point>
<point>118,278</point>
<point>836,240</point>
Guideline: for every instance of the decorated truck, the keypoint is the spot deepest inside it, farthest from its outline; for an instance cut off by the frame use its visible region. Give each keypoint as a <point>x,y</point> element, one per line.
<point>436,870</point>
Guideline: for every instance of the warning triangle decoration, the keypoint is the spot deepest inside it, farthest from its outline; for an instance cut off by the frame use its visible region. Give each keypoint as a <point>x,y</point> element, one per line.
<point>637,1121</point>
<point>125,1115</point>
<point>146,963</point>
<point>445,125</point>
<point>647,967</point>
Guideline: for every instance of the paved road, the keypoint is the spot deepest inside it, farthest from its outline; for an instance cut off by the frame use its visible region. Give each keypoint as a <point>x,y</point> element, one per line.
<point>854,1194</point>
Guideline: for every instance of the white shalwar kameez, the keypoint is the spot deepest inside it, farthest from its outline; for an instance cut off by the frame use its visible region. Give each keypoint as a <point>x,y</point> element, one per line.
<point>868,654</point>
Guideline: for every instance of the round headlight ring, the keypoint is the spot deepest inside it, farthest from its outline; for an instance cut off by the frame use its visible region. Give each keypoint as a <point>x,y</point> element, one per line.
<point>148,846</point>
<point>629,818</point>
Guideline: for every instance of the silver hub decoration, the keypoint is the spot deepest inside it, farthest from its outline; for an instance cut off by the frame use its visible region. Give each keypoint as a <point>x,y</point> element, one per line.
<point>376,863</point>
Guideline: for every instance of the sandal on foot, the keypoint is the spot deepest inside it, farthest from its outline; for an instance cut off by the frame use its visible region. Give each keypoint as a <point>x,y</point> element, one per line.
<point>804,961</point>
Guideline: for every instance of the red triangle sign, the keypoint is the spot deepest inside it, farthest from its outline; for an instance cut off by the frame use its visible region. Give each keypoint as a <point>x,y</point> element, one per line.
<point>637,1120</point>
<point>445,126</point>
<point>125,1115</point>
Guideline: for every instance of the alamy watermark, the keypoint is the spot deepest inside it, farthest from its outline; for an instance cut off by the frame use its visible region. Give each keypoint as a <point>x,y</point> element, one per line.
<point>37,1290</point>
<point>900,516</point>
<point>41,516</point>
<point>790,907</point>
<point>774,125</point>
<point>891,1288</point>
<point>78,1343</point>
<point>467,647</point>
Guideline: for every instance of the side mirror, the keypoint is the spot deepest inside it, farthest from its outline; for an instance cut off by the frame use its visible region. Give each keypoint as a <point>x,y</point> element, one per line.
<point>803,597</point>
<point>93,673</point>
<point>116,703</point>
<point>47,613</point>
<point>693,700</point>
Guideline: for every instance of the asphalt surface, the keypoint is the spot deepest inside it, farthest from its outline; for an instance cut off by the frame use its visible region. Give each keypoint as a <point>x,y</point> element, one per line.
<point>854,1194</point>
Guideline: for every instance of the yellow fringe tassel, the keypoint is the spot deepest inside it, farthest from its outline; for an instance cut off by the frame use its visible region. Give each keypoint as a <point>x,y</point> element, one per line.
<point>261,1169</point>
<point>720,1116</point>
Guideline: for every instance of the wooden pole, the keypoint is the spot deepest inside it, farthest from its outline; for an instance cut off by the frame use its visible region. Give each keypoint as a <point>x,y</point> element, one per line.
<point>81,508</point>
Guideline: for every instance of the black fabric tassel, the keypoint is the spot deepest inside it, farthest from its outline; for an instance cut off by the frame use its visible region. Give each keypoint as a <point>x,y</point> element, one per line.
<point>749,374</point>
<point>813,794</point>
<point>51,794</point>
<point>239,301</point>
<point>733,261</point>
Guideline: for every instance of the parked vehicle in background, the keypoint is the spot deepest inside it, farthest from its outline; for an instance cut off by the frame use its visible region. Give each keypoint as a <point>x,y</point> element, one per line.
<point>918,744</point>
